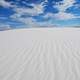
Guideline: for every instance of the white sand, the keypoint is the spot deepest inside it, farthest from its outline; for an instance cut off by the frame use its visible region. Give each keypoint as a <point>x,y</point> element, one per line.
<point>40,54</point>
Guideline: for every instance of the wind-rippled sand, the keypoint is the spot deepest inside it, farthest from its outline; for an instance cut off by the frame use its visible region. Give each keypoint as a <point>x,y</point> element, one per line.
<point>40,54</point>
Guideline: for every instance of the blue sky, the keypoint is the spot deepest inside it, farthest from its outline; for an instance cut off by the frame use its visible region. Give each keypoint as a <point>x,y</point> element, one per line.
<point>39,13</point>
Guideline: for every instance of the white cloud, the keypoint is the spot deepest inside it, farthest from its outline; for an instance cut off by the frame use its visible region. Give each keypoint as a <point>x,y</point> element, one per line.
<point>64,16</point>
<point>64,5</point>
<point>60,16</point>
<point>4,3</point>
<point>31,11</point>
<point>4,26</point>
<point>31,22</point>
<point>36,10</point>
<point>49,15</point>
<point>77,6</point>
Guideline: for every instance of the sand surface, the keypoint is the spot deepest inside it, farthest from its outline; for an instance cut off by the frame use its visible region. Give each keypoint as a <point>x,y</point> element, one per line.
<point>40,54</point>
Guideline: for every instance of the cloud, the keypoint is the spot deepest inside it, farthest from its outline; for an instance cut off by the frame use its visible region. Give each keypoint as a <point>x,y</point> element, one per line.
<point>31,11</point>
<point>49,15</point>
<point>4,3</point>
<point>36,10</point>
<point>39,9</point>
<point>64,16</point>
<point>63,5</point>
<point>60,16</point>
<point>29,21</point>
<point>19,11</point>
<point>4,27</point>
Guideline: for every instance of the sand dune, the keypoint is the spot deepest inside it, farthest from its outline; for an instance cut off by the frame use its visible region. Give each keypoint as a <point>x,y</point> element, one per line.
<point>40,54</point>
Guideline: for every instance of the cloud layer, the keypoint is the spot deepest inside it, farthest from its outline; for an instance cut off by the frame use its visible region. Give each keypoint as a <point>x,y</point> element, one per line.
<point>27,14</point>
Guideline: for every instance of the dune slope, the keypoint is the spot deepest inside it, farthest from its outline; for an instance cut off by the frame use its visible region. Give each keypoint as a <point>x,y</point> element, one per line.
<point>40,54</point>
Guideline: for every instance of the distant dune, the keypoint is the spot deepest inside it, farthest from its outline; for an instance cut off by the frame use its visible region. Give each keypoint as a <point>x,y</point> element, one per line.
<point>40,54</point>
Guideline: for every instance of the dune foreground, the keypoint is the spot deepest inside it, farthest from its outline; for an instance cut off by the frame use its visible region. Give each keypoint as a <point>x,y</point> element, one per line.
<point>40,54</point>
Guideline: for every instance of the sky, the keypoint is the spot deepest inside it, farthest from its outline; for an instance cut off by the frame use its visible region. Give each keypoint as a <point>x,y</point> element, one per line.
<point>39,13</point>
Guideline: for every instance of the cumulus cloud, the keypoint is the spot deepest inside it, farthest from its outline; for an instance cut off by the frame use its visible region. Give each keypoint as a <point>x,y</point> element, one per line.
<point>4,3</point>
<point>4,27</point>
<point>60,16</point>
<point>36,10</point>
<point>63,5</point>
<point>31,11</point>
<point>31,22</point>
<point>64,16</point>
<point>39,9</point>
<point>28,21</point>
<point>49,15</point>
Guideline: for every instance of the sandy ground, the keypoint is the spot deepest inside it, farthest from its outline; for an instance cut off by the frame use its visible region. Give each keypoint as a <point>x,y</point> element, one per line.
<point>40,54</point>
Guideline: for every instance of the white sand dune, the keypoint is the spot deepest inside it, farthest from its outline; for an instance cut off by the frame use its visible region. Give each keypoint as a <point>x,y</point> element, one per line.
<point>40,54</point>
